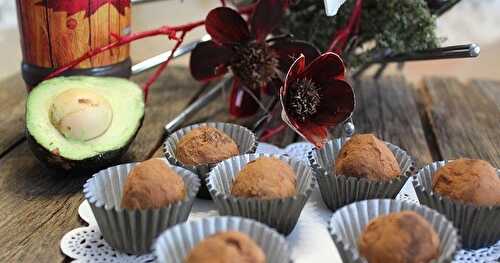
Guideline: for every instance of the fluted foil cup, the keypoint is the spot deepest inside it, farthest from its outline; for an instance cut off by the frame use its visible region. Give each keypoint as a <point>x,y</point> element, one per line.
<point>348,223</point>
<point>132,230</point>
<point>174,245</point>
<point>281,214</point>
<point>479,226</point>
<point>243,137</point>
<point>339,190</point>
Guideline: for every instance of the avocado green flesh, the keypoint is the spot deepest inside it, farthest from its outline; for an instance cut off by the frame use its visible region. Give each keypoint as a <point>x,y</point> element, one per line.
<point>126,100</point>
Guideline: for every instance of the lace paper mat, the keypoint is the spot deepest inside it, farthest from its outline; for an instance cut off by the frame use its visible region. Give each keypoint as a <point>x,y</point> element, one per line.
<point>309,241</point>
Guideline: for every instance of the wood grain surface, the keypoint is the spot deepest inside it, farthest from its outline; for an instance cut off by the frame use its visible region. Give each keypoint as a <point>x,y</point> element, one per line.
<point>12,98</point>
<point>387,108</point>
<point>39,207</point>
<point>444,119</point>
<point>465,119</point>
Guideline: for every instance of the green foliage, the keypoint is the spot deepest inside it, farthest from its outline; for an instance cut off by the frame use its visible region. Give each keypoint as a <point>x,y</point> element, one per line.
<point>399,25</point>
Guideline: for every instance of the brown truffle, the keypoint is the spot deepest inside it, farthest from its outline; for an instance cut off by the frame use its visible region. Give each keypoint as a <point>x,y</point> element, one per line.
<point>265,178</point>
<point>469,181</point>
<point>226,247</point>
<point>364,155</point>
<point>404,237</point>
<point>152,184</point>
<point>205,145</point>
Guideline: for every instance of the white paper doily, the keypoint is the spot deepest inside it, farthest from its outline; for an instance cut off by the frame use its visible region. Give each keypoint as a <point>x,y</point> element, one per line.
<point>309,241</point>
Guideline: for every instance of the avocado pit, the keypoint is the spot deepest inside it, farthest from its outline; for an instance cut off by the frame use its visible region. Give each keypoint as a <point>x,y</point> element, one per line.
<point>80,114</point>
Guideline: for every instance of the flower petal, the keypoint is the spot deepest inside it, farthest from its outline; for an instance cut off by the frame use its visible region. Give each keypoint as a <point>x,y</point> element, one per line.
<point>209,60</point>
<point>332,6</point>
<point>337,105</point>
<point>241,104</point>
<point>266,17</point>
<point>314,133</point>
<point>295,70</point>
<point>289,50</point>
<point>310,131</point>
<point>226,26</point>
<point>325,68</point>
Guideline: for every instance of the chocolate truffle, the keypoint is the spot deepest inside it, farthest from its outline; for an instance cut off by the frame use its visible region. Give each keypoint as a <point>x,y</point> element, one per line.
<point>205,145</point>
<point>364,155</point>
<point>265,178</point>
<point>470,181</point>
<point>152,184</point>
<point>226,247</point>
<point>403,237</point>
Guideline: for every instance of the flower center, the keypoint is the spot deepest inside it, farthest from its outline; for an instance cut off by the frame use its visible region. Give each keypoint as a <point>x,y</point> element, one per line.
<point>255,64</point>
<point>304,99</point>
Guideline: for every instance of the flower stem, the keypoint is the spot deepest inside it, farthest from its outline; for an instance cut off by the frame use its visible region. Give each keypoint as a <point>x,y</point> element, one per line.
<point>163,30</point>
<point>169,31</point>
<point>270,132</point>
<point>342,36</point>
<point>162,67</point>
<point>252,95</point>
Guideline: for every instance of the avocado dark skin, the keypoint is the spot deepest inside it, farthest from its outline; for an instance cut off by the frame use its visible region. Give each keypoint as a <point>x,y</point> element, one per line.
<point>86,166</point>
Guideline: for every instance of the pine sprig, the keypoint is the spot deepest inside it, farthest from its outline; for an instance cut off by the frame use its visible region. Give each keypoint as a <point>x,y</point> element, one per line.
<point>398,25</point>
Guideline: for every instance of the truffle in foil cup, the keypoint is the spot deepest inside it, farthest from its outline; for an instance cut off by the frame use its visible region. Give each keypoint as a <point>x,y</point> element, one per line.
<point>132,230</point>
<point>347,225</point>
<point>281,214</point>
<point>174,245</point>
<point>479,226</point>
<point>243,137</point>
<point>339,190</point>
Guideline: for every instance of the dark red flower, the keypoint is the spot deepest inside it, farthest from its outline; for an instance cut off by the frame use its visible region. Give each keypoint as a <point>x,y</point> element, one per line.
<point>242,48</point>
<point>316,96</point>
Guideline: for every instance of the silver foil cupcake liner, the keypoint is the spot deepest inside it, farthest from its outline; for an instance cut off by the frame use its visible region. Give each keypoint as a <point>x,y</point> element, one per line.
<point>133,231</point>
<point>244,138</point>
<point>339,190</point>
<point>479,226</point>
<point>347,224</point>
<point>281,214</point>
<point>175,244</point>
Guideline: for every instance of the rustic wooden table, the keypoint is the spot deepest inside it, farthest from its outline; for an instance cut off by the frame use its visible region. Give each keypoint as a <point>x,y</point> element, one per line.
<point>444,119</point>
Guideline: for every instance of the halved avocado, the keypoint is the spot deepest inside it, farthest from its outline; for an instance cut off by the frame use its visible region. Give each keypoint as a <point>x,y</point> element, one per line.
<point>83,123</point>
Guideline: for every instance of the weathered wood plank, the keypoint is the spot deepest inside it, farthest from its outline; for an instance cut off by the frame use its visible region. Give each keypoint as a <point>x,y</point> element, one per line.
<point>168,96</point>
<point>387,108</point>
<point>12,98</point>
<point>39,208</point>
<point>465,118</point>
<point>215,110</point>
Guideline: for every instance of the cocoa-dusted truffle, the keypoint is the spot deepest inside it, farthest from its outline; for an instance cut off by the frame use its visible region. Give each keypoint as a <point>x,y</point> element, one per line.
<point>364,155</point>
<point>205,145</point>
<point>226,247</point>
<point>265,178</point>
<point>152,184</point>
<point>403,237</point>
<point>470,181</point>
